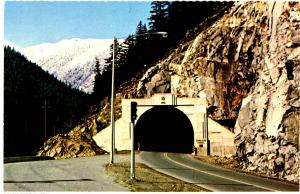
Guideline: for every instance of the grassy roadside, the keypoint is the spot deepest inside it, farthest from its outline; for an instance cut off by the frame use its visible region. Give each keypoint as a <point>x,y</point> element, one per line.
<point>148,179</point>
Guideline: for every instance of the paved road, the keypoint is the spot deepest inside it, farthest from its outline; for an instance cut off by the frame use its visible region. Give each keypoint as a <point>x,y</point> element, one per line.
<point>88,174</point>
<point>77,174</point>
<point>209,176</point>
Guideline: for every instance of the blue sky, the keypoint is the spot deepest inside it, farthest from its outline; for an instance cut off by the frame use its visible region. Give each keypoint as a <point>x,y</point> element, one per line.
<point>30,23</point>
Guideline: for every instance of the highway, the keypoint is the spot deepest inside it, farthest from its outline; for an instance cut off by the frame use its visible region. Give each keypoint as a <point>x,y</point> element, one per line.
<point>184,167</point>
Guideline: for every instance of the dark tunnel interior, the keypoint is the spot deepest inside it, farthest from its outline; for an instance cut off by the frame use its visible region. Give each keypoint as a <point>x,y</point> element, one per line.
<point>164,129</point>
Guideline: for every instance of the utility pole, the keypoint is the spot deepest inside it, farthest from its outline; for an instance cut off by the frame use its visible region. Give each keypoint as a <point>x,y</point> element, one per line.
<point>112,105</point>
<point>45,119</point>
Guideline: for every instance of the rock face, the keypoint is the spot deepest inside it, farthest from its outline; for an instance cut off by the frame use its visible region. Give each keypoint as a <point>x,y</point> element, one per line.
<point>251,55</point>
<point>268,125</point>
<point>210,63</point>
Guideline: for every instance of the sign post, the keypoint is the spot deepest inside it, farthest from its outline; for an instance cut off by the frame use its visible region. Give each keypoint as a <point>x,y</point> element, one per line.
<point>207,138</point>
<point>133,118</point>
<point>132,161</point>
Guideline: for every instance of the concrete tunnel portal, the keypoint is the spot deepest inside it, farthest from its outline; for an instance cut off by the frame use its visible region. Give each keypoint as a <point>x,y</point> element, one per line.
<point>164,129</point>
<point>168,123</point>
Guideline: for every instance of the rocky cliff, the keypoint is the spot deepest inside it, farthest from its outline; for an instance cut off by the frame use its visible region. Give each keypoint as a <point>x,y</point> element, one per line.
<point>268,125</point>
<point>248,64</point>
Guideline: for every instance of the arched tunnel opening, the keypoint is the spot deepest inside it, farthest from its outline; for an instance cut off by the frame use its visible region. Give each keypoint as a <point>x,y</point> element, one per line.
<point>164,129</point>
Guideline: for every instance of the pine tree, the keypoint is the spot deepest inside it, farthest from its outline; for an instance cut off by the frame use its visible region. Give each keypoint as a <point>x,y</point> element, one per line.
<point>159,16</point>
<point>97,89</point>
<point>141,34</point>
<point>120,60</point>
<point>141,29</point>
<point>117,54</point>
<point>185,16</point>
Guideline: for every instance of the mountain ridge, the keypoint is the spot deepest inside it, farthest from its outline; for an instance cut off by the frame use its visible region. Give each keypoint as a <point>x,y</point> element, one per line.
<point>70,60</point>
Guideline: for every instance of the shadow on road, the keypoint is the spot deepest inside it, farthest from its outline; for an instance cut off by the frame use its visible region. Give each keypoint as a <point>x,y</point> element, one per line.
<point>49,181</point>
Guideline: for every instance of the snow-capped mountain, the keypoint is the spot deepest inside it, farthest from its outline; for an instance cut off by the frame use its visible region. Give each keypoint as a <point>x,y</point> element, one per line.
<point>71,60</point>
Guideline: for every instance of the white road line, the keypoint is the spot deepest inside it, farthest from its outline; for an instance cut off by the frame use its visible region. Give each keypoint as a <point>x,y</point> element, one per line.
<point>175,176</point>
<point>166,155</point>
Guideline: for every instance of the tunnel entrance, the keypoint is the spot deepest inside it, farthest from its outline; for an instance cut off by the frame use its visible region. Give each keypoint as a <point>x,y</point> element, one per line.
<point>164,129</point>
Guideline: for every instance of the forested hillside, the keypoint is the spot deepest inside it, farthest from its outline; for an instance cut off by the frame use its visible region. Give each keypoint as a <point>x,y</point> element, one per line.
<point>27,91</point>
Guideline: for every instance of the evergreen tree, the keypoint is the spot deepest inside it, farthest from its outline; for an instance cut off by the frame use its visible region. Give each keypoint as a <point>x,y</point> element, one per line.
<point>115,49</point>
<point>141,29</point>
<point>158,22</point>
<point>141,35</point>
<point>97,72</point>
<point>159,16</point>
<point>102,84</point>
<point>185,16</point>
